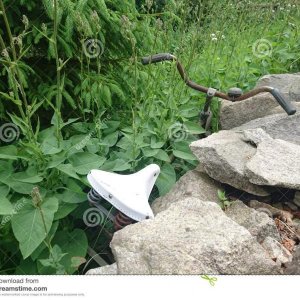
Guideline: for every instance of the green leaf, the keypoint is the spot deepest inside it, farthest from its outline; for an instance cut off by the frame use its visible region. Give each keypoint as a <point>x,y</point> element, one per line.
<point>73,193</point>
<point>193,127</point>
<point>31,224</point>
<point>49,142</point>
<point>37,252</point>
<point>166,179</point>
<point>162,155</point>
<point>148,152</point>
<point>26,267</point>
<point>9,152</point>
<point>19,187</point>
<point>6,207</point>
<point>64,210</point>
<point>4,190</point>
<point>110,140</point>
<point>75,244</point>
<point>155,144</point>
<point>56,160</point>
<point>68,170</point>
<point>83,162</point>
<point>27,177</point>
<point>184,155</point>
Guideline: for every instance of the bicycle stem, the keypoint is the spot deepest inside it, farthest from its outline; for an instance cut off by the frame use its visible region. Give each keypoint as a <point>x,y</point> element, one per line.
<point>286,105</point>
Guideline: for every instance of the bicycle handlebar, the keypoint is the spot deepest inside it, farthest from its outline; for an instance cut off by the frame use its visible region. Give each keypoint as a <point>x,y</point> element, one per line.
<point>285,104</point>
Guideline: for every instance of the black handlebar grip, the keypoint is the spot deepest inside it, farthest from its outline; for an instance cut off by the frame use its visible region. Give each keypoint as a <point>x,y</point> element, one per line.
<point>157,58</point>
<point>285,104</point>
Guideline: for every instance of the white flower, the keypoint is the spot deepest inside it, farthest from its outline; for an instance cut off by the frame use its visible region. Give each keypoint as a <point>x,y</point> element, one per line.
<point>212,35</point>
<point>214,39</point>
<point>223,36</point>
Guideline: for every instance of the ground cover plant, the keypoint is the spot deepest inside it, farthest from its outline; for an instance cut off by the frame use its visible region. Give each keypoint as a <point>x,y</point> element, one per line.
<point>74,96</point>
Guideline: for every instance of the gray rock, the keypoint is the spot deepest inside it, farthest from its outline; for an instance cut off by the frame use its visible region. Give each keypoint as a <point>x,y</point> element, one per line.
<point>106,270</point>
<point>275,163</point>
<point>192,184</point>
<point>233,114</point>
<point>297,199</point>
<point>276,251</point>
<point>288,84</point>
<point>258,223</point>
<point>293,268</point>
<point>278,126</point>
<point>273,211</point>
<point>190,237</point>
<point>223,156</point>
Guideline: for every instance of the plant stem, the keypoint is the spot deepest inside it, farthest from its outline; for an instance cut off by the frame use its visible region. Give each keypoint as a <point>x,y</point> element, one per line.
<point>58,77</point>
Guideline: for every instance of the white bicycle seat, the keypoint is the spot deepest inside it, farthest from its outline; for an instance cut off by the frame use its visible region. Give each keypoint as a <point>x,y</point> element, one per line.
<point>127,193</point>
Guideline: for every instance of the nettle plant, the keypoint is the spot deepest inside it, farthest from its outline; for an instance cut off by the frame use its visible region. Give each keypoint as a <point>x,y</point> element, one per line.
<point>74,97</point>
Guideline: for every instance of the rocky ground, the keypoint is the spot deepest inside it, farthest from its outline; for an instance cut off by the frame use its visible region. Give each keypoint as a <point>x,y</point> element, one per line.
<point>256,160</point>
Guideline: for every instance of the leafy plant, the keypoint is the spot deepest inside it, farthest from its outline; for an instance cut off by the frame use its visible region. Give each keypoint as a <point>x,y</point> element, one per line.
<point>75,97</point>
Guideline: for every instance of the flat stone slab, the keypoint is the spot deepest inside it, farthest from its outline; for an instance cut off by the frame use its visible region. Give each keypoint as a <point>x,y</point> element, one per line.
<point>192,184</point>
<point>223,156</point>
<point>275,163</point>
<point>190,237</point>
<point>278,126</point>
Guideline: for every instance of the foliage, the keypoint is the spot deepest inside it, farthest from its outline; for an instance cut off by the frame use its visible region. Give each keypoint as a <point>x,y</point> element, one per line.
<point>76,97</point>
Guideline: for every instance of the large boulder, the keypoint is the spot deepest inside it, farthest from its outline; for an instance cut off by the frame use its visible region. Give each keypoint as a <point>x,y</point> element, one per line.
<point>258,223</point>
<point>233,114</point>
<point>223,156</point>
<point>190,237</point>
<point>287,84</point>
<point>192,184</point>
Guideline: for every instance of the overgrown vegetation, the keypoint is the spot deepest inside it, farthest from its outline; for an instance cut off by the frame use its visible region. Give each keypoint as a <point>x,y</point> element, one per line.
<point>74,96</point>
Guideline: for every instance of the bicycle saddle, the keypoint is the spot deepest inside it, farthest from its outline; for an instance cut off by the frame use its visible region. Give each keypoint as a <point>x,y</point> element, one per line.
<point>127,193</point>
